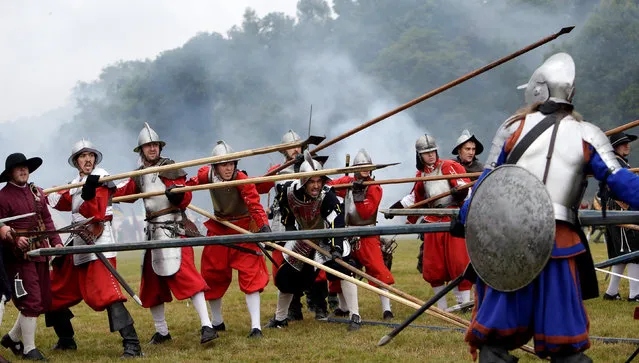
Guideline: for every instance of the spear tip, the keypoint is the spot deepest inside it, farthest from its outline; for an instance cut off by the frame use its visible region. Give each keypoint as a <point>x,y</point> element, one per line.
<point>385,339</point>
<point>566,30</point>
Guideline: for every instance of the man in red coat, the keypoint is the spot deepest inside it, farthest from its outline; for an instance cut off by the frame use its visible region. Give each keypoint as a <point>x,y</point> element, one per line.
<point>241,206</point>
<point>166,271</point>
<point>360,209</point>
<point>82,277</point>
<point>29,276</point>
<point>445,257</point>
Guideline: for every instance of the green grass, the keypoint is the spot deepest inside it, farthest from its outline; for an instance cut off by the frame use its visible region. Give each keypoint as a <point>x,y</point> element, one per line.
<point>309,340</point>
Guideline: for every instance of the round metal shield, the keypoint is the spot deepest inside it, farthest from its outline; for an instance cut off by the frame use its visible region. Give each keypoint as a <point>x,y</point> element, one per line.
<point>510,228</point>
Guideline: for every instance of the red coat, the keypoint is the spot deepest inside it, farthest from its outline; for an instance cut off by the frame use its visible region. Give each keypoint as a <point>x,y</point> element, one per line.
<point>366,208</point>
<point>247,191</point>
<point>265,187</point>
<point>95,207</point>
<point>448,167</point>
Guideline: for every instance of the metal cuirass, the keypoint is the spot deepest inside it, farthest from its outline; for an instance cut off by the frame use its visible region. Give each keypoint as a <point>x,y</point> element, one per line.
<point>308,216</point>
<point>165,261</point>
<point>565,180</point>
<point>227,202</point>
<point>106,237</point>
<point>351,215</point>
<point>436,187</point>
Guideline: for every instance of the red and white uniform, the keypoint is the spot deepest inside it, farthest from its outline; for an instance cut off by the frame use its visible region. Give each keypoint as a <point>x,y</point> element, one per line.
<point>369,252</point>
<point>156,288</point>
<point>445,256</point>
<point>81,277</point>
<point>241,206</point>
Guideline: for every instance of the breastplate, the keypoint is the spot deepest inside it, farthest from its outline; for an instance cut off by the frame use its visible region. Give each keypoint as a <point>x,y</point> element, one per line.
<point>436,187</point>
<point>153,183</point>
<point>351,215</point>
<point>228,201</point>
<point>565,180</point>
<point>307,213</point>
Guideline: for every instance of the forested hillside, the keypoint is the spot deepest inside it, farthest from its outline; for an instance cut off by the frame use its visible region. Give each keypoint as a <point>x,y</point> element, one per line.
<point>354,60</point>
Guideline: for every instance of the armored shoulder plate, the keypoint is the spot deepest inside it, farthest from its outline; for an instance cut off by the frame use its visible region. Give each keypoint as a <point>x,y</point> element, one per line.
<point>598,140</point>
<point>503,133</point>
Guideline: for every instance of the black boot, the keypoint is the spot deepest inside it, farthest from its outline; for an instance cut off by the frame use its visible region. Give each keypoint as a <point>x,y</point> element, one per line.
<point>333,302</point>
<point>121,321</point>
<point>295,309</point>
<point>130,342</point>
<point>318,294</point>
<point>495,354</point>
<point>61,322</point>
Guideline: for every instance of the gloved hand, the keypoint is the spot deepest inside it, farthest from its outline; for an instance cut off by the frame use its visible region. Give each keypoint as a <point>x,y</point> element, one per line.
<point>299,159</point>
<point>457,228</point>
<point>336,252</point>
<point>265,229</point>
<point>397,205</point>
<point>90,185</point>
<point>174,198</point>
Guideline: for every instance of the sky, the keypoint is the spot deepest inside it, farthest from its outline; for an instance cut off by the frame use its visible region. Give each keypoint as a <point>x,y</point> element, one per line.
<point>48,46</point>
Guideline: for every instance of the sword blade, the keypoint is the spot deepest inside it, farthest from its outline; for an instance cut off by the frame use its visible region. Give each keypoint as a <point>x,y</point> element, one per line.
<point>8,219</point>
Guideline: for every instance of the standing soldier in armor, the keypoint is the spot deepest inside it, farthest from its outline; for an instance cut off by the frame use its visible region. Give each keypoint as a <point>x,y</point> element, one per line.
<point>82,277</point>
<point>166,270</point>
<point>444,256</point>
<point>468,147</point>
<point>311,204</point>
<point>550,308</point>
<point>316,295</point>
<point>360,209</point>
<point>29,276</point>
<point>241,206</point>
<point>619,240</point>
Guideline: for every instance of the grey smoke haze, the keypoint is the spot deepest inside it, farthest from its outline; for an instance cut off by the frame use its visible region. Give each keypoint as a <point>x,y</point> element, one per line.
<point>342,96</point>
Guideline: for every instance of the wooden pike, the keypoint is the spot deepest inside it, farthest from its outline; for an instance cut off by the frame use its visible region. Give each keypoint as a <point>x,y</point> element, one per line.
<point>409,180</point>
<point>435,312</point>
<point>195,162</point>
<point>232,183</point>
<point>439,196</point>
<point>432,93</point>
<point>621,128</point>
<point>401,300</point>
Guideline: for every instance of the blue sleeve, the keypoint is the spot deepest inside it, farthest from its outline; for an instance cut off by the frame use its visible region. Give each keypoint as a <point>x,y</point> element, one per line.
<point>623,183</point>
<point>463,211</point>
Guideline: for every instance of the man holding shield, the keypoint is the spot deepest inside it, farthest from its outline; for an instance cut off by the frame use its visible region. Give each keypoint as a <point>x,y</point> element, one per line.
<point>552,150</point>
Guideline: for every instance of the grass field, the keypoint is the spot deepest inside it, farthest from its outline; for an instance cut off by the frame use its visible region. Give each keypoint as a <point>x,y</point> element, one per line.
<point>309,340</point>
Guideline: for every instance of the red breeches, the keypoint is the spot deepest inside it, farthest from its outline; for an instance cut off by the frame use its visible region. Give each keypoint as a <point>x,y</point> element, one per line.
<point>91,282</point>
<point>155,290</point>
<point>218,263</point>
<point>369,255</point>
<point>445,258</point>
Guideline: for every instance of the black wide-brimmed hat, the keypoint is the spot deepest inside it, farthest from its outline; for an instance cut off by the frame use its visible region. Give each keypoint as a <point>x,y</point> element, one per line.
<point>621,138</point>
<point>18,159</point>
